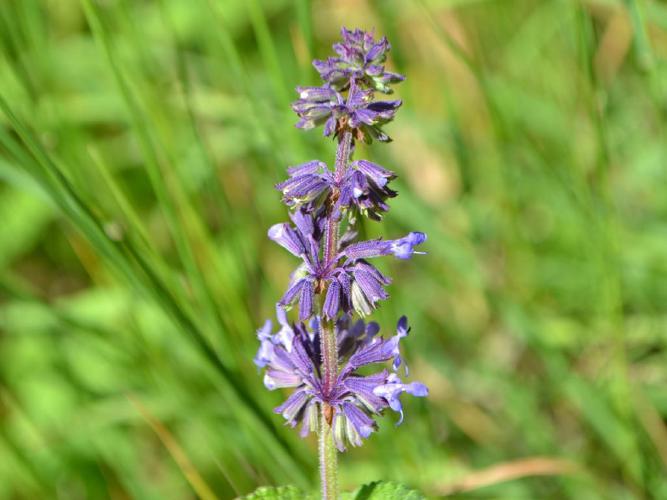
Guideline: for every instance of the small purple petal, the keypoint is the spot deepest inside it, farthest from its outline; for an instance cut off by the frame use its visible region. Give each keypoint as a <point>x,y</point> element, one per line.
<point>310,419</point>
<point>291,293</point>
<point>345,287</point>
<point>306,301</point>
<point>387,108</point>
<point>359,184</point>
<point>375,352</point>
<point>389,77</point>
<point>369,284</point>
<point>264,333</point>
<point>287,238</point>
<point>316,94</point>
<point>372,270</point>
<point>346,195</point>
<point>330,126</point>
<point>367,249</point>
<point>303,222</point>
<point>276,379</point>
<point>339,431</point>
<point>301,359</point>
<point>310,167</point>
<point>377,50</point>
<point>362,423</point>
<point>332,300</point>
<point>402,327</point>
<point>305,124</point>
<point>404,248</point>
<point>374,70</point>
<point>264,354</point>
<point>372,329</point>
<point>285,335</point>
<point>363,115</point>
<point>300,185</point>
<point>292,406</point>
<point>392,390</point>
<point>363,387</point>
<point>402,330</point>
<point>359,301</point>
<point>377,173</point>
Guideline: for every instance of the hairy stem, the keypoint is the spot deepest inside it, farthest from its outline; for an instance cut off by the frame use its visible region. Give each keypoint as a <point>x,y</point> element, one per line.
<point>327,448</point>
<point>329,344</point>
<point>329,350</point>
<point>343,154</point>
<point>333,222</point>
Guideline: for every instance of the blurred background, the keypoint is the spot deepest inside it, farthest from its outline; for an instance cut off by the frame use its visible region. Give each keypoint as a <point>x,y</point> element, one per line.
<point>139,145</point>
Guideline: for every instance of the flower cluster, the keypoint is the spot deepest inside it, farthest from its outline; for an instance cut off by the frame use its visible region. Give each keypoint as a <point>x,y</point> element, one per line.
<point>292,359</point>
<point>360,59</point>
<point>362,189</point>
<point>351,283</point>
<point>318,105</point>
<point>320,353</point>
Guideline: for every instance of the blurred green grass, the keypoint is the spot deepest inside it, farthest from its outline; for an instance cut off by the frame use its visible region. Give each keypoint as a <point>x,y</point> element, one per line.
<point>140,141</point>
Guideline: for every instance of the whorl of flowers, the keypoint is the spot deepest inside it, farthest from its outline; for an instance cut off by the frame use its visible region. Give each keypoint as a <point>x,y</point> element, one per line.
<point>336,279</point>
<point>292,359</point>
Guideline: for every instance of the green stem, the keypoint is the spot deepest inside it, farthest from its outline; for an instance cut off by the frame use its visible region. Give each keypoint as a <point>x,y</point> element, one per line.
<point>328,458</point>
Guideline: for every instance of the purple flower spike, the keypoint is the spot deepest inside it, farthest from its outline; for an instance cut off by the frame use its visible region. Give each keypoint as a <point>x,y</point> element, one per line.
<point>324,357</point>
<point>265,351</point>
<point>355,399</point>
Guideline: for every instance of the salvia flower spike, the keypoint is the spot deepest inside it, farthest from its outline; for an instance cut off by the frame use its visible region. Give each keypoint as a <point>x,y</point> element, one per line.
<point>319,355</point>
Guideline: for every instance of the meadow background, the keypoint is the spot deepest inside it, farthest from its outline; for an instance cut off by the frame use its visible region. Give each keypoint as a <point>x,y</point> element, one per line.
<point>139,145</point>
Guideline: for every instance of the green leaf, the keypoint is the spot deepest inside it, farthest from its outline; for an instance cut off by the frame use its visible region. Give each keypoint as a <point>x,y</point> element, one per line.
<point>377,490</point>
<point>277,493</point>
<point>385,490</point>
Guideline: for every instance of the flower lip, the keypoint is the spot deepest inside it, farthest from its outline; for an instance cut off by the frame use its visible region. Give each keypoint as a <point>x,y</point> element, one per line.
<point>404,248</point>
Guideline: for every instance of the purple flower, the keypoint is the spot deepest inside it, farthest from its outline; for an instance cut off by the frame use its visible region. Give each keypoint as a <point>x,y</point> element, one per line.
<point>363,188</point>
<point>351,283</point>
<point>402,248</point>
<point>393,388</point>
<point>309,184</point>
<point>360,57</point>
<point>291,359</point>
<point>322,105</point>
<point>318,105</point>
